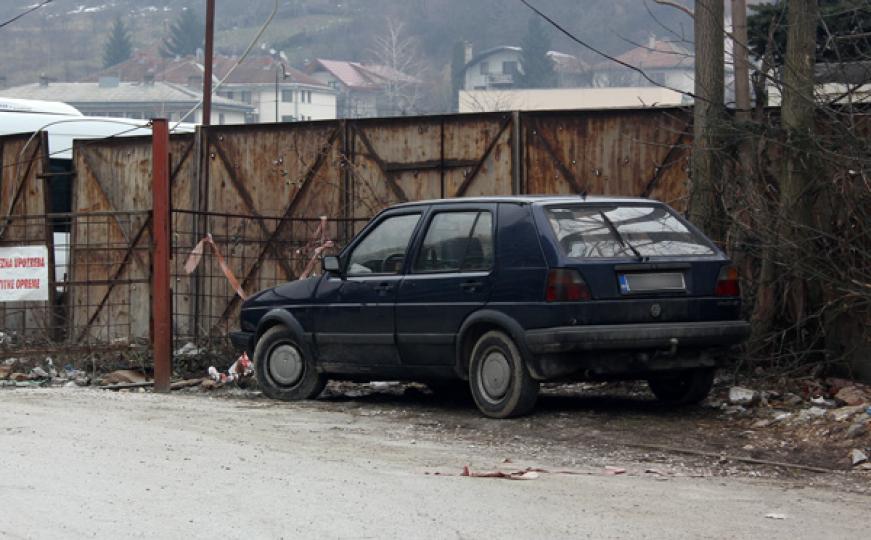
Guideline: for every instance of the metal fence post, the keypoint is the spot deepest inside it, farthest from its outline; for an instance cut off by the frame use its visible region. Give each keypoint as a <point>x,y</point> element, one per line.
<point>161,310</point>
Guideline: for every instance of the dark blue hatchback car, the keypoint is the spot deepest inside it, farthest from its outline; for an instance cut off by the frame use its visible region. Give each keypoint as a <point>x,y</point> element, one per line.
<point>505,292</point>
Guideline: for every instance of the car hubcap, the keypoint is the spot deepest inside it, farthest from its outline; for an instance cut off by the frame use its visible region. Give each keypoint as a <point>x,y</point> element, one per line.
<point>285,365</point>
<point>495,374</point>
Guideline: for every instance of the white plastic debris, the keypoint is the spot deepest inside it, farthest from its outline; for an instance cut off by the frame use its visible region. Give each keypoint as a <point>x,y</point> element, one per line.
<point>858,457</point>
<point>241,368</point>
<point>739,395</point>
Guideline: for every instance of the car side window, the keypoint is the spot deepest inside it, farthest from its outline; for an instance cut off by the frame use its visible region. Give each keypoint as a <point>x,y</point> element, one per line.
<point>383,250</point>
<point>457,242</point>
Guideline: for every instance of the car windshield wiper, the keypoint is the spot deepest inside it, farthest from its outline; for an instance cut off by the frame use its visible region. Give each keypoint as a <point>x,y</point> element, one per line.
<point>623,242</point>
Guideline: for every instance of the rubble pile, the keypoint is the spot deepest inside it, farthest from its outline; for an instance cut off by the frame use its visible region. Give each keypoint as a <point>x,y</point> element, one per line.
<point>832,412</point>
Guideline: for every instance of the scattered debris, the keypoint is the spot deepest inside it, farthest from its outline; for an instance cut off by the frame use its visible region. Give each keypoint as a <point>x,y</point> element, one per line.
<point>188,349</point>
<point>858,457</point>
<point>525,474</point>
<point>825,403</point>
<point>775,516</point>
<point>845,413</point>
<point>739,395</point>
<point>124,376</point>
<point>856,430</point>
<point>242,368</point>
<point>853,395</point>
<point>614,471</point>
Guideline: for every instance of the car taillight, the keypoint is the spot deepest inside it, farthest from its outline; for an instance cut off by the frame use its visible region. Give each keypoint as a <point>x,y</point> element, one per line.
<point>727,282</point>
<point>566,285</point>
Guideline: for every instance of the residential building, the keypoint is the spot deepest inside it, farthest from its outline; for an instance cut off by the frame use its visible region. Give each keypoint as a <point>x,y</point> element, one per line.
<point>276,91</point>
<point>367,90</point>
<point>493,69</point>
<point>666,63</point>
<point>140,100</point>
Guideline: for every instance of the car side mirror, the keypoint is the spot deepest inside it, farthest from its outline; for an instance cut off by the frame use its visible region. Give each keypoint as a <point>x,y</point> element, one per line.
<point>332,265</point>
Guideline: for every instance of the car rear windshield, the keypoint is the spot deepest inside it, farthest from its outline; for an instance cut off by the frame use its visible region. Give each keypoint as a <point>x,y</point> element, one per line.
<point>612,231</point>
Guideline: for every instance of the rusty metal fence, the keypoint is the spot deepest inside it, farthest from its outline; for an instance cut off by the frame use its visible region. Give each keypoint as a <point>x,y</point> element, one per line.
<point>260,190</point>
<point>255,251</point>
<point>98,286</point>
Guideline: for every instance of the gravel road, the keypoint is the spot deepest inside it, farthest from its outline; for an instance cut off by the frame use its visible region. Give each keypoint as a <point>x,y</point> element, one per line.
<point>90,463</point>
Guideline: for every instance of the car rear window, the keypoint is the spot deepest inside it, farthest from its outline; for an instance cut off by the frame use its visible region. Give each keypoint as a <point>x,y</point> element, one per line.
<point>610,231</point>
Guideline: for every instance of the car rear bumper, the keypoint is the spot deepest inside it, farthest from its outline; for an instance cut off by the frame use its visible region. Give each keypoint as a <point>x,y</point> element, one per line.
<point>636,336</point>
<point>243,341</point>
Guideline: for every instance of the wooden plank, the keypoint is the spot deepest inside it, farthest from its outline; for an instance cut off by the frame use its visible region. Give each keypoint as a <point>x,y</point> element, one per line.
<point>474,172</point>
<point>388,176</point>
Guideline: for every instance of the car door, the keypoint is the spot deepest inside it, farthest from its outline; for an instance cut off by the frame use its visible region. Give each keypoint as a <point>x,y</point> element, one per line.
<point>355,320</point>
<point>448,279</point>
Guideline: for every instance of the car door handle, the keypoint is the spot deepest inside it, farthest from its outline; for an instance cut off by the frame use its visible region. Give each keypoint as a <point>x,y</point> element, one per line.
<point>471,286</point>
<point>383,288</point>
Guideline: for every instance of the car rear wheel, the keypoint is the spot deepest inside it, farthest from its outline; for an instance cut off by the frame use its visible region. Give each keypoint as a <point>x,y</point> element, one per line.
<point>684,387</point>
<point>283,369</point>
<point>499,380</point>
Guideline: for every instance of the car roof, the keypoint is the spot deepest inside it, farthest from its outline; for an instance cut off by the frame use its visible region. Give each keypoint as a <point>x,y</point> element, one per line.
<point>529,199</point>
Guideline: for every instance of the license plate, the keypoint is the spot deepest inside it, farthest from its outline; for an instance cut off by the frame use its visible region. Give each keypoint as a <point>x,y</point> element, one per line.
<point>651,282</point>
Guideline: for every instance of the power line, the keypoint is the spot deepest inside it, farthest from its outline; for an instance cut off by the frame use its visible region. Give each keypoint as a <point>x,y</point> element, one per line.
<point>605,55</point>
<point>29,11</point>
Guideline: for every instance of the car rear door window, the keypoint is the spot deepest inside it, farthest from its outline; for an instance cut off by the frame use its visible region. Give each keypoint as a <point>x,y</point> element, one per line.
<point>457,242</point>
<point>598,231</point>
<point>383,250</point>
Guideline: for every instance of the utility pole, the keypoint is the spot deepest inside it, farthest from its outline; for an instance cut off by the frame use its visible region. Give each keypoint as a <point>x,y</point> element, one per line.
<point>161,297</point>
<point>741,62</point>
<point>208,60</point>
<point>707,170</point>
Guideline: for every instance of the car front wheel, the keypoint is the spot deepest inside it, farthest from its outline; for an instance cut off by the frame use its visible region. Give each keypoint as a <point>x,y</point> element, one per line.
<point>684,387</point>
<point>499,380</point>
<point>283,369</point>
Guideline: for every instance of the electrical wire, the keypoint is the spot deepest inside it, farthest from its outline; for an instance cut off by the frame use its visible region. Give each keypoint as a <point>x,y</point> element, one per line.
<point>605,55</point>
<point>28,12</point>
<point>235,65</point>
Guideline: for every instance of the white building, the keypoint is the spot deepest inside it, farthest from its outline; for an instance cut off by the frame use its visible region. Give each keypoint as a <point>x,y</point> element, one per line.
<point>278,92</point>
<point>544,99</point>
<point>666,63</point>
<point>260,82</point>
<point>366,90</point>
<point>496,68</point>
<point>140,100</point>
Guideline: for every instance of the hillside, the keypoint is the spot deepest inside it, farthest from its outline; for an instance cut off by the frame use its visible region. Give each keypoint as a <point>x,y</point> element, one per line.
<point>65,39</point>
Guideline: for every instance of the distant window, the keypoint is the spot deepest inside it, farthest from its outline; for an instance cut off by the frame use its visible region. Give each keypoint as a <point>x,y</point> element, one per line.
<point>333,84</point>
<point>485,68</point>
<point>289,118</point>
<point>287,96</point>
<point>229,95</point>
<point>246,96</point>
<point>509,68</point>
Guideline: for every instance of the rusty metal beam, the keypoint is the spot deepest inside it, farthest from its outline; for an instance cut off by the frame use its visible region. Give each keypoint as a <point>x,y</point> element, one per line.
<point>252,208</point>
<point>161,294</point>
<point>18,189</point>
<point>307,180</point>
<point>665,163</point>
<point>568,174</point>
<point>114,280</point>
<point>430,164</point>
<point>87,162</point>
<point>480,164</point>
<point>388,176</point>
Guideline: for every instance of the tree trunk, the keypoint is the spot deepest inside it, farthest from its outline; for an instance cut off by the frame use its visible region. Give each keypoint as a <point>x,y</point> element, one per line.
<point>797,185</point>
<point>707,165</point>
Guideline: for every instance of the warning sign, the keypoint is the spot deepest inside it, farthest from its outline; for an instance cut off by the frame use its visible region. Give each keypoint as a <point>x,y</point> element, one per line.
<point>24,274</point>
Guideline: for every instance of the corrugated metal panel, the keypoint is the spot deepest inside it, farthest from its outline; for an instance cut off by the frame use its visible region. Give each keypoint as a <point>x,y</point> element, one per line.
<point>608,152</point>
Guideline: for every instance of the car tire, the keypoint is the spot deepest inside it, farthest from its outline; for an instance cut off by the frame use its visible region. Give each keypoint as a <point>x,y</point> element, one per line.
<point>684,387</point>
<point>284,369</point>
<point>499,379</point>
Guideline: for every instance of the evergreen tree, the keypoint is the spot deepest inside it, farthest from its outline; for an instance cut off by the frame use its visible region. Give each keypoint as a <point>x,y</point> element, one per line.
<point>842,31</point>
<point>186,35</point>
<point>538,70</point>
<point>118,47</point>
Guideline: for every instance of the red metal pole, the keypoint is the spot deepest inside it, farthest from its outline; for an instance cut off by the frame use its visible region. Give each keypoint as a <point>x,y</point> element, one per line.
<point>207,62</point>
<point>161,311</point>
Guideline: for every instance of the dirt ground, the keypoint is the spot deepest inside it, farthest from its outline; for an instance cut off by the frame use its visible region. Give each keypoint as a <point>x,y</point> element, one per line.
<point>385,461</point>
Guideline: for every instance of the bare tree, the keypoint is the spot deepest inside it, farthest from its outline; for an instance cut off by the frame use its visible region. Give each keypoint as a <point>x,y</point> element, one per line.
<point>400,66</point>
<point>707,116</point>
